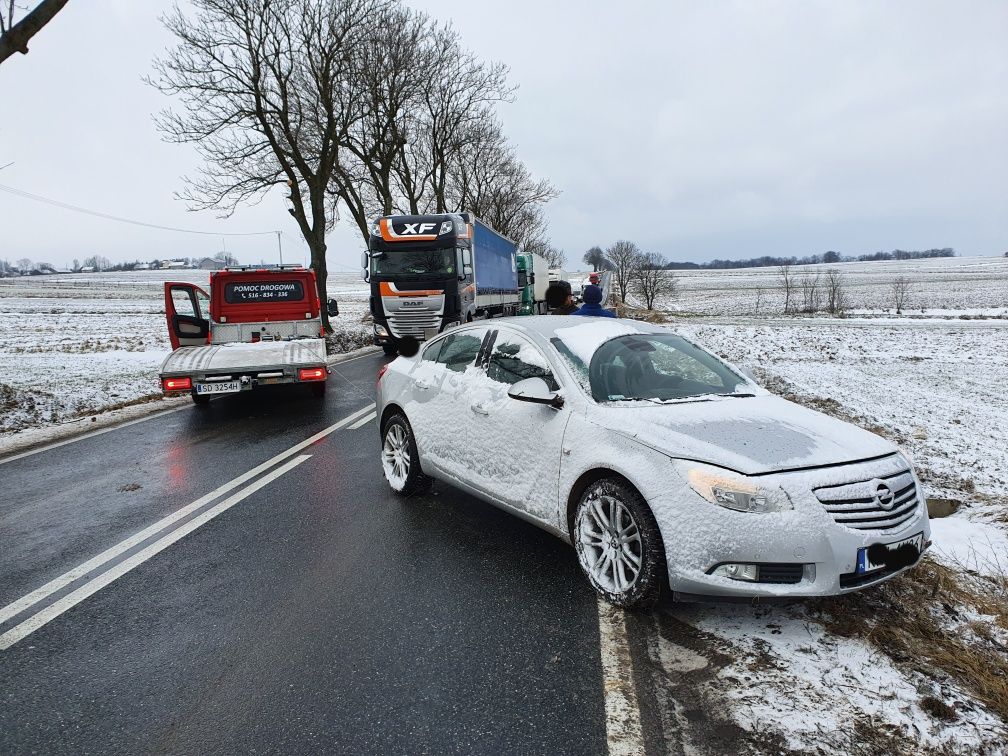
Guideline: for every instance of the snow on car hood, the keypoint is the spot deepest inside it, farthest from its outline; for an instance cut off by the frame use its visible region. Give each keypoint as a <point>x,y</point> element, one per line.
<point>750,435</point>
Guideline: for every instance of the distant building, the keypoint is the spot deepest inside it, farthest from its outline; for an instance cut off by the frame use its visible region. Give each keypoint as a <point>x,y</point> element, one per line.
<point>141,266</point>
<point>209,263</point>
<point>172,264</point>
<point>87,269</point>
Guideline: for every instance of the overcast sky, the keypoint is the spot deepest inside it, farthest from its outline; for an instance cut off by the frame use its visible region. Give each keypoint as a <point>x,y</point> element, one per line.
<point>697,129</point>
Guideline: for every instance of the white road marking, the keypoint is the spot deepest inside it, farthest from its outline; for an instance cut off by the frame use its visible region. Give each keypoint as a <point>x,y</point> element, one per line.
<point>94,585</point>
<point>90,434</point>
<point>363,421</point>
<point>623,726</point>
<point>121,548</point>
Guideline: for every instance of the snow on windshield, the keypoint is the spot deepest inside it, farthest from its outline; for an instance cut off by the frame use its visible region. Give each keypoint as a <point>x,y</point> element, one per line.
<point>584,339</point>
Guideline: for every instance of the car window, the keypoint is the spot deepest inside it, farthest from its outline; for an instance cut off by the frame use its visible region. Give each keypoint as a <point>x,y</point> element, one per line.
<point>514,358</point>
<point>459,350</point>
<point>183,303</point>
<point>431,351</point>
<point>658,367</point>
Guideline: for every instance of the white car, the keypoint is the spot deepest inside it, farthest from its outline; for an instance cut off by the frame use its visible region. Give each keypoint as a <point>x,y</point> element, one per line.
<point>665,467</point>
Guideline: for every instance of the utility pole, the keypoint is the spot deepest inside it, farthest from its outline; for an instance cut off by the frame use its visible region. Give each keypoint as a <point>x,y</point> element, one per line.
<point>279,247</point>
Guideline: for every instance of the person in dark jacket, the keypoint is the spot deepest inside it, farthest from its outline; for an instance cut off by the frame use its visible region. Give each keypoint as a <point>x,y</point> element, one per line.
<point>559,298</point>
<point>592,296</point>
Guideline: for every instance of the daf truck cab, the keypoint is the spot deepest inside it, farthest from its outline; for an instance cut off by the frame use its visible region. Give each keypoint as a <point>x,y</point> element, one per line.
<point>429,272</point>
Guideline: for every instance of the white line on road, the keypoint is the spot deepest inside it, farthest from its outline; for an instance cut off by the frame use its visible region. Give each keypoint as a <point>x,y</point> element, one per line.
<point>623,725</point>
<point>94,585</point>
<point>90,434</point>
<point>121,548</point>
<point>363,421</point>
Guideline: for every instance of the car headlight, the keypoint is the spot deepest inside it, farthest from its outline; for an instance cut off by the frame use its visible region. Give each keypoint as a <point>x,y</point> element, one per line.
<point>737,493</point>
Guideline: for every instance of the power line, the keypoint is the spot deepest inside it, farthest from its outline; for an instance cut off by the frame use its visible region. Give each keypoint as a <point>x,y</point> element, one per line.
<point>106,216</point>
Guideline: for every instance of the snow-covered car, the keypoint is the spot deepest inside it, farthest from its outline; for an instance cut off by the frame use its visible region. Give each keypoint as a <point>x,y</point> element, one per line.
<point>665,467</point>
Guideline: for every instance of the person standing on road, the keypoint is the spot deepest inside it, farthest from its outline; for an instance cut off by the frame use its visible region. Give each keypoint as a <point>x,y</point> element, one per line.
<point>592,307</point>
<point>559,299</point>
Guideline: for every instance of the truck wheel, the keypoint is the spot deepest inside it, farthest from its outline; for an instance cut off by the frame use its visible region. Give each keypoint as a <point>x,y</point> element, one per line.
<point>390,350</point>
<point>399,458</point>
<point>318,389</point>
<point>619,546</point>
<point>200,399</point>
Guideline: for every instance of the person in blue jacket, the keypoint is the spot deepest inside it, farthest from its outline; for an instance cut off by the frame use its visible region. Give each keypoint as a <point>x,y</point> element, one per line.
<point>592,297</point>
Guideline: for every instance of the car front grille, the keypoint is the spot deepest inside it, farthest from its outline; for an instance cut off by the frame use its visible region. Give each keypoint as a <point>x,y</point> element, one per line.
<point>413,323</point>
<point>856,506</point>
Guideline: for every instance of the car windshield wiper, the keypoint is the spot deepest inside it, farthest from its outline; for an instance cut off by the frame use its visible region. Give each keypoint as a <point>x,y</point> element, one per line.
<point>671,400</point>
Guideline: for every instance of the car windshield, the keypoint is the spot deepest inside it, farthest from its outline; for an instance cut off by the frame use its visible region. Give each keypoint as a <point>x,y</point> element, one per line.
<point>414,262</point>
<point>658,367</point>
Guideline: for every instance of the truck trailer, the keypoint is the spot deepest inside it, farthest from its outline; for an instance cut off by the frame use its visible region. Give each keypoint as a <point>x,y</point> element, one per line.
<point>257,326</point>
<point>429,272</point>
<point>533,281</point>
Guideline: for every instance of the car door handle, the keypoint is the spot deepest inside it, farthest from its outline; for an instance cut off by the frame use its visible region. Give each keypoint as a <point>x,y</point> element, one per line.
<point>479,409</point>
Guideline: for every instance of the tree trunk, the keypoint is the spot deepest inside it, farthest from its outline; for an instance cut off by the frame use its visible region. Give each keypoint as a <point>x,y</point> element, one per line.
<point>318,263</point>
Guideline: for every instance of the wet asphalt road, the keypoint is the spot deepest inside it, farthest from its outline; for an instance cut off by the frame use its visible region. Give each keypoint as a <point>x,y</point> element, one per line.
<point>320,614</point>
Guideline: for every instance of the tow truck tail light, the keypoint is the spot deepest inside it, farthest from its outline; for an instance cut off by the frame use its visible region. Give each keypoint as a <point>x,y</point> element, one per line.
<point>381,372</point>
<point>176,384</point>
<point>312,374</point>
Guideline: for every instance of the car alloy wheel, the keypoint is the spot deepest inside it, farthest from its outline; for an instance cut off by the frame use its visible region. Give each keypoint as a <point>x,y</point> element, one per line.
<point>618,544</point>
<point>399,458</point>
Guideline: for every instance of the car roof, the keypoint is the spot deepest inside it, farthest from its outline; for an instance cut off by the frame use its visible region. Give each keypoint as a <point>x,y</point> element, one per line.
<point>546,326</point>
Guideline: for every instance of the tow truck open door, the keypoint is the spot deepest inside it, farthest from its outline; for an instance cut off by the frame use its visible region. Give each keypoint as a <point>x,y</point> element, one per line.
<point>187,311</point>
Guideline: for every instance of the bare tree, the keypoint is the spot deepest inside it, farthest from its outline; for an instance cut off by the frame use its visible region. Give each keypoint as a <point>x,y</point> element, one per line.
<point>758,302</point>
<point>554,257</point>
<point>836,292</point>
<point>624,257</point>
<point>596,258</point>
<point>269,95</point>
<point>900,289</point>
<point>787,283</point>
<point>810,292</point>
<point>15,35</point>
<point>650,279</point>
<point>24,264</point>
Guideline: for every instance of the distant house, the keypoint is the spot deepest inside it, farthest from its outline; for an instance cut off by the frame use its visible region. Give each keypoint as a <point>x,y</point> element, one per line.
<point>172,264</point>
<point>209,263</point>
<point>141,266</point>
<point>87,269</point>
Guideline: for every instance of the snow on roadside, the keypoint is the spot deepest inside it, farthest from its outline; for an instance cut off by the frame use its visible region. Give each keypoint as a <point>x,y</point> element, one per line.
<point>793,676</point>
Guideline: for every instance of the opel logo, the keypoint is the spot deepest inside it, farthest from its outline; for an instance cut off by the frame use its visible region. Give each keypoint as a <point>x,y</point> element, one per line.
<point>884,496</point>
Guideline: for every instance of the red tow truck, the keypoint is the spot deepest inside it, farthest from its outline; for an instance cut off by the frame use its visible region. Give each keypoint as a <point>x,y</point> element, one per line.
<point>257,326</point>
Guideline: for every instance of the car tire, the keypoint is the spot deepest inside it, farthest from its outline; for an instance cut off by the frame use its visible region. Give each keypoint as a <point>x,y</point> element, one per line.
<point>619,546</point>
<point>200,399</point>
<point>399,458</point>
<point>390,350</point>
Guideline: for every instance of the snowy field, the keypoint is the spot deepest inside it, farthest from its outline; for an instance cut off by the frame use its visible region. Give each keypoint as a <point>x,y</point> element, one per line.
<point>938,288</point>
<point>819,675</point>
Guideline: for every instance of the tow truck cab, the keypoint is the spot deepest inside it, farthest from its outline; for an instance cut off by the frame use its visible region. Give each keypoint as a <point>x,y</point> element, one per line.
<point>257,326</point>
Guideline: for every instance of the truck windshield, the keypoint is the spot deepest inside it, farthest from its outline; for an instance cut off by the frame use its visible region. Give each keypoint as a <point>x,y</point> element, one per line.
<point>414,262</point>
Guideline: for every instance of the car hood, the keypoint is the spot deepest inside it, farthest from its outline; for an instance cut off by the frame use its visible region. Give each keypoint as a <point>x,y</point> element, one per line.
<point>751,435</point>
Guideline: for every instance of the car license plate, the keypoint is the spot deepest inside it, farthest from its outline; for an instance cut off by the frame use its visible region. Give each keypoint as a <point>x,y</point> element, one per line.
<point>223,387</point>
<point>864,564</point>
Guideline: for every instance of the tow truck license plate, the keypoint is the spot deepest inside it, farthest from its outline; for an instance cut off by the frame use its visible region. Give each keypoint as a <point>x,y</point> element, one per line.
<point>224,387</point>
<point>864,564</point>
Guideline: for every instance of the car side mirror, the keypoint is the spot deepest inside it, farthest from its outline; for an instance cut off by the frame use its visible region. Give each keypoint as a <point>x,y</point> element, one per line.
<point>535,390</point>
<point>332,308</point>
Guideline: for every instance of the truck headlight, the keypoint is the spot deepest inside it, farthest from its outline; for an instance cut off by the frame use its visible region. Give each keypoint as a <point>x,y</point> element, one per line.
<point>738,493</point>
